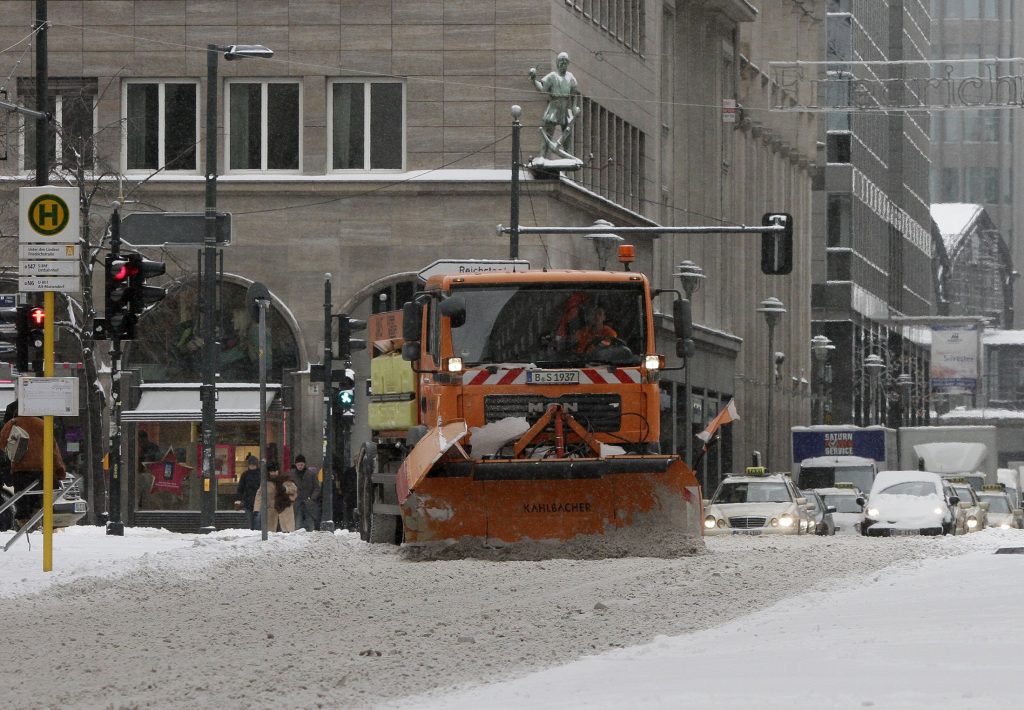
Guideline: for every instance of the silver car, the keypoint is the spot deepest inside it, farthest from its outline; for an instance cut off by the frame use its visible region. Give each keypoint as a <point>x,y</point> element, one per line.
<point>821,512</point>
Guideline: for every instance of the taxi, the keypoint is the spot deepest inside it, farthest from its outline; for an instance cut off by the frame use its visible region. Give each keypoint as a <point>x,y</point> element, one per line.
<point>757,503</point>
<point>1001,512</point>
<point>843,497</point>
<point>977,515</point>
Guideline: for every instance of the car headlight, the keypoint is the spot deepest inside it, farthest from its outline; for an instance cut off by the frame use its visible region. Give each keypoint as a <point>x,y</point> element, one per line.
<point>1004,526</point>
<point>937,511</point>
<point>774,522</point>
<point>722,523</point>
<point>872,512</point>
<point>709,522</point>
<point>972,522</point>
<point>786,520</point>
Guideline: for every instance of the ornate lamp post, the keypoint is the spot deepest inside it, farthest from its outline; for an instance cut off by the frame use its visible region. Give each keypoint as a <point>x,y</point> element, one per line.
<point>905,382</point>
<point>821,348</point>
<point>874,365</point>
<point>772,309</point>
<point>604,243</point>
<point>691,277</point>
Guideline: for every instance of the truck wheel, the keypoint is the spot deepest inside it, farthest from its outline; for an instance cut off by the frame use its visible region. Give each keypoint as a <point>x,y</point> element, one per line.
<point>384,528</point>
<point>364,487</point>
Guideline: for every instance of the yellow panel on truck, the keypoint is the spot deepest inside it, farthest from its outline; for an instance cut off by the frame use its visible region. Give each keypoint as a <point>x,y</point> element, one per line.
<point>393,402</point>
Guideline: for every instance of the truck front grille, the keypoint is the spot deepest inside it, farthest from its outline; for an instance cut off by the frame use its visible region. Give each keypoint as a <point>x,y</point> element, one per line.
<point>598,412</point>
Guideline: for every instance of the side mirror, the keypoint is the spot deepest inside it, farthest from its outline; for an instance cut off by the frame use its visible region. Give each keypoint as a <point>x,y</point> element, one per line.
<point>455,309</point>
<point>830,509</point>
<point>953,500</point>
<point>801,501</point>
<point>411,352</point>
<point>706,502</point>
<point>412,323</point>
<point>682,321</point>
<point>860,502</point>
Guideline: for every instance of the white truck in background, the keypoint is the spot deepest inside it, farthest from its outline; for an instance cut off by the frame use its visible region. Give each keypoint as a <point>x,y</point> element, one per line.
<point>1011,478</point>
<point>824,455</point>
<point>950,450</point>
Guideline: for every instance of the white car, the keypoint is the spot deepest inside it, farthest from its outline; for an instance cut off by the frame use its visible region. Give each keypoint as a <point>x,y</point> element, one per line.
<point>910,503</point>
<point>757,503</point>
<point>1001,511</point>
<point>848,511</point>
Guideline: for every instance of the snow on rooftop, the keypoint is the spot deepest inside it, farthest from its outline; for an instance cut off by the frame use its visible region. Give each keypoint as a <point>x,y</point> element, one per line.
<point>953,218</point>
<point>985,413</point>
<point>1003,337</point>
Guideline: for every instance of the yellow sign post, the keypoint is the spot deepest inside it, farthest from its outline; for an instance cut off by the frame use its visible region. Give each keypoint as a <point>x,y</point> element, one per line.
<point>48,216</point>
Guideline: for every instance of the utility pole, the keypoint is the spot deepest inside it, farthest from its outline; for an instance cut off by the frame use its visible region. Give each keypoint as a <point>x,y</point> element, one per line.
<point>513,242</point>
<point>327,447</point>
<point>42,98</point>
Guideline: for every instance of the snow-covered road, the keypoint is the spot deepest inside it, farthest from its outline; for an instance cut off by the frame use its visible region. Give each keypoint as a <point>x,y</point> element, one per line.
<point>315,620</point>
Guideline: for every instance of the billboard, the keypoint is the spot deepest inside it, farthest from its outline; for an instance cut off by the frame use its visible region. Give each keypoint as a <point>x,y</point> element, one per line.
<point>955,351</point>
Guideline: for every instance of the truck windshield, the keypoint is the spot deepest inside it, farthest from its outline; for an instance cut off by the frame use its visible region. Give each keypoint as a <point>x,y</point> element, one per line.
<point>551,324</point>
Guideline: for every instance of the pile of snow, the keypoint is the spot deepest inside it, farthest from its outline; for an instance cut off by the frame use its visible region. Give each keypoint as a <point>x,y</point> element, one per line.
<point>85,551</point>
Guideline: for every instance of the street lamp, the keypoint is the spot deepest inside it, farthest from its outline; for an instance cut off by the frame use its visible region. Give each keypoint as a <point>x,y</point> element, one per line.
<point>821,348</point>
<point>691,277</point>
<point>604,243</point>
<point>873,365</point>
<point>772,309</point>
<point>208,291</point>
<point>905,383</point>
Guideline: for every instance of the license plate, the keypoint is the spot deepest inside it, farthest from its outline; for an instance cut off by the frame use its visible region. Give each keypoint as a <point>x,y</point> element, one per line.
<point>80,506</point>
<point>746,532</point>
<point>552,377</point>
<point>903,533</point>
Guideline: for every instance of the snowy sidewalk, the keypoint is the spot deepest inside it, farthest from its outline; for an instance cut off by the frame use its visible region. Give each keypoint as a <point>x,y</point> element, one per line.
<point>83,551</point>
<point>940,634</point>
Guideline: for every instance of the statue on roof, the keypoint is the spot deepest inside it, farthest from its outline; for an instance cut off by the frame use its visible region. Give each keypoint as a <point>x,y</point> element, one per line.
<point>563,108</point>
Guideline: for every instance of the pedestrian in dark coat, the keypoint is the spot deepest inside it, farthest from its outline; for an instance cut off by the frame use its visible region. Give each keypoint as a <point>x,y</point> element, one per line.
<point>248,485</point>
<point>307,504</point>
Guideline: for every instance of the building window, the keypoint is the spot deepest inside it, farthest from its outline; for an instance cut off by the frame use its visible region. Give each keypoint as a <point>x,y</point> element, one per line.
<point>161,125</point>
<point>839,220</point>
<point>991,185</point>
<point>264,125</point>
<point>838,147</point>
<point>974,188</point>
<point>72,102</point>
<point>950,184</point>
<point>613,152</point>
<point>622,20</point>
<point>367,120</point>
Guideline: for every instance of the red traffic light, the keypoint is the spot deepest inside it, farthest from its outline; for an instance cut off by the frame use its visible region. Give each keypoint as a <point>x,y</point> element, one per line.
<point>38,316</point>
<point>121,269</point>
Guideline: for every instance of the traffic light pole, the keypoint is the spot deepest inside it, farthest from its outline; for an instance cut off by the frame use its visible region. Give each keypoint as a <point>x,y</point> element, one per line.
<point>327,446</point>
<point>208,295</point>
<point>114,524</point>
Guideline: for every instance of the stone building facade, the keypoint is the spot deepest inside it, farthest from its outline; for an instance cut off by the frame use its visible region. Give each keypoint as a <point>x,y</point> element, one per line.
<point>378,139</point>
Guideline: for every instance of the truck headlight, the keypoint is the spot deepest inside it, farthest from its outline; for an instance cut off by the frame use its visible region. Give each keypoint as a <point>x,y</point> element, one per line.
<point>652,362</point>
<point>454,364</point>
<point>786,520</point>
<point>709,522</point>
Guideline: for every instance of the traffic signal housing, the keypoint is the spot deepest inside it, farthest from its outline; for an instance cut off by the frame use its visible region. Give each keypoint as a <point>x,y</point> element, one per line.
<point>777,247</point>
<point>117,312</point>
<point>345,399</point>
<point>346,343</point>
<point>36,317</point>
<point>140,295</point>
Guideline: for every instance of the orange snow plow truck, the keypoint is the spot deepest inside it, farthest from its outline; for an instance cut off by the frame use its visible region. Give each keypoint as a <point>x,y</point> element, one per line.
<point>519,411</point>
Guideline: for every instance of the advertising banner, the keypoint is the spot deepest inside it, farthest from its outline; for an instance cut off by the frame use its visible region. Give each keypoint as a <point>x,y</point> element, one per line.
<point>955,351</point>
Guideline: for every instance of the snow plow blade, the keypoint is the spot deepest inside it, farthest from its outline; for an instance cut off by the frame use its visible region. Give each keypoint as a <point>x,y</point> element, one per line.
<point>517,508</point>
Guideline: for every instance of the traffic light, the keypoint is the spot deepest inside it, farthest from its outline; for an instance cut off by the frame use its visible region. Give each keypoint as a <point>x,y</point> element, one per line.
<point>119,319</point>
<point>141,296</point>
<point>346,396</point>
<point>34,341</point>
<point>346,343</point>
<point>777,247</point>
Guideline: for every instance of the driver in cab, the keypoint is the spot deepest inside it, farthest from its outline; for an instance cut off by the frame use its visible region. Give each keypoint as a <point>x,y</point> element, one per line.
<point>594,329</point>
